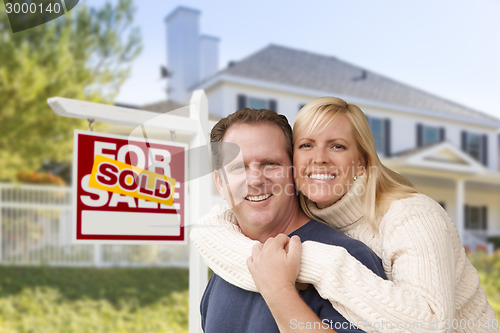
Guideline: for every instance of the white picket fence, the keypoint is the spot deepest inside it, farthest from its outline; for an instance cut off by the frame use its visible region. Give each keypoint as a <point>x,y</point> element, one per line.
<point>36,226</point>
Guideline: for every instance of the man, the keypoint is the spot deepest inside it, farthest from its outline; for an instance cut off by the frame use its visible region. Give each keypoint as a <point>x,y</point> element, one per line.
<point>258,184</point>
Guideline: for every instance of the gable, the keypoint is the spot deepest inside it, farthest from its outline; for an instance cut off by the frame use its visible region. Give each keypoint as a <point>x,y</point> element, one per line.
<point>443,156</point>
<point>446,156</point>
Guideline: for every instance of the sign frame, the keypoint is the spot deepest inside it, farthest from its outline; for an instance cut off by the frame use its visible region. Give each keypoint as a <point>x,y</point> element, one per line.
<point>126,239</point>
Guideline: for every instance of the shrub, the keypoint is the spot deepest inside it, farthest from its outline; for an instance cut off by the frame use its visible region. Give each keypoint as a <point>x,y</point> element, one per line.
<point>488,267</point>
<point>45,178</point>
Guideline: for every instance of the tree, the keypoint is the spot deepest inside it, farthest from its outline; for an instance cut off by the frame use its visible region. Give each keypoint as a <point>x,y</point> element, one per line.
<point>85,54</point>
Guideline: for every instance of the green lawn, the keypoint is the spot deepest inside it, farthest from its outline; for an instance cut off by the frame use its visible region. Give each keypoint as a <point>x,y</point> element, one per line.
<point>488,267</point>
<point>128,300</point>
<point>114,300</point>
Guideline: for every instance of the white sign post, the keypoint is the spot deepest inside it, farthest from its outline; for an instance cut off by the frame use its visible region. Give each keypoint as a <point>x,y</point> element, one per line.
<point>198,189</point>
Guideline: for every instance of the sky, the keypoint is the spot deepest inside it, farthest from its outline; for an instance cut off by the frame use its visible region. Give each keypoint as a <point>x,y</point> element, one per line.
<point>450,48</point>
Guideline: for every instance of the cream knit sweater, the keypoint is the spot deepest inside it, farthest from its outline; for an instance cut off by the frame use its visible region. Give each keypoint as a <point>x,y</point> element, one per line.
<point>432,286</point>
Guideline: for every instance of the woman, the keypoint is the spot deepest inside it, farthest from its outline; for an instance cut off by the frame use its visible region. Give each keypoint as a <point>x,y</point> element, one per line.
<point>432,286</point>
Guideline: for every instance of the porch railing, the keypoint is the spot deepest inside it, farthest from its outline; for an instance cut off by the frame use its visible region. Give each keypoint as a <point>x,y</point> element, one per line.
<point>477,239</point>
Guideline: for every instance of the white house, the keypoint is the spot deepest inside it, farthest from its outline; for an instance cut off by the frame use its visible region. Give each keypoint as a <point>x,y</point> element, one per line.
<point>449,151</point>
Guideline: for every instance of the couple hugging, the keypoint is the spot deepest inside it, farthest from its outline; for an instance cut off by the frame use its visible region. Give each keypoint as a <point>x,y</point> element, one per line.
<point>354,248</point>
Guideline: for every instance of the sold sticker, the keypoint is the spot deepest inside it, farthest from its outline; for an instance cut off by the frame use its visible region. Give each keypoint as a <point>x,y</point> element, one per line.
<point>118,177</point>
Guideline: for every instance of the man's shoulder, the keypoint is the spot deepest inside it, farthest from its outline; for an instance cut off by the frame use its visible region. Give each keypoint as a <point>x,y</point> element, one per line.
<point>323,233</point>
<point>216,283</point>
<point>218,313</point>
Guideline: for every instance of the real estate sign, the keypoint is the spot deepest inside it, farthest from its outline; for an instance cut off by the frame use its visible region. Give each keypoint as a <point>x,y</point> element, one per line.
<point>128,190</point>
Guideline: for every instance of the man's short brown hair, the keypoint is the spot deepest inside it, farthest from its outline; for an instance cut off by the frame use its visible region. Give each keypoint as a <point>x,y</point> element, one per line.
<point>249,116</point>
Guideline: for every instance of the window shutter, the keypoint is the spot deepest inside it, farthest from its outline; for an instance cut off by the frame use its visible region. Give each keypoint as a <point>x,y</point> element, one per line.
<point>484,153</point>
<point>420,135</point>
<point>387,137</point>
<point>464,140</point>
<point>242,102</point>
<point>442,134</point>
<point>484,216</point>
<point>273,105</point>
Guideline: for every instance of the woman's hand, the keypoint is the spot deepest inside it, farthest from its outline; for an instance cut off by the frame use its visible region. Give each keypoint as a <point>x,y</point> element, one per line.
<point>275,264</point>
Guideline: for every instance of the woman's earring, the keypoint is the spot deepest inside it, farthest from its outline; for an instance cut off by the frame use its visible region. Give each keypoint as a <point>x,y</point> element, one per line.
<point>355,177</point>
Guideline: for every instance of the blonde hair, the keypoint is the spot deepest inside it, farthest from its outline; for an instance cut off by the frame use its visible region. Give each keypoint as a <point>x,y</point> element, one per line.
<point>383,185</point>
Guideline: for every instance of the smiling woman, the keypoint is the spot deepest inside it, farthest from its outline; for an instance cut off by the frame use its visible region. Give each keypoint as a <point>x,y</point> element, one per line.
<point>327,161</point>
<point>333,146</point>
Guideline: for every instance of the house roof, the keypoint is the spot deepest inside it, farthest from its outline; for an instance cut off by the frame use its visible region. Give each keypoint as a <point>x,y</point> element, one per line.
<point>283,65</point>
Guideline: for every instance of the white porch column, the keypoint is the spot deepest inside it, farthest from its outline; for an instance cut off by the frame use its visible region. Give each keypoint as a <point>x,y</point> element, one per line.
<point>460,202</point>
<point>199,191</point>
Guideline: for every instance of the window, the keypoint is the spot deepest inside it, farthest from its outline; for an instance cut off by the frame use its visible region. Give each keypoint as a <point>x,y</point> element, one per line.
<point>431,135</point>
<point>427,135</point>
<point>244,101</point>
<point>476,217</point>
<point>498,147</point>
<point>377,127</point>
<point>256,103</point>
<point>381,130</point>
<point>476,145</point>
